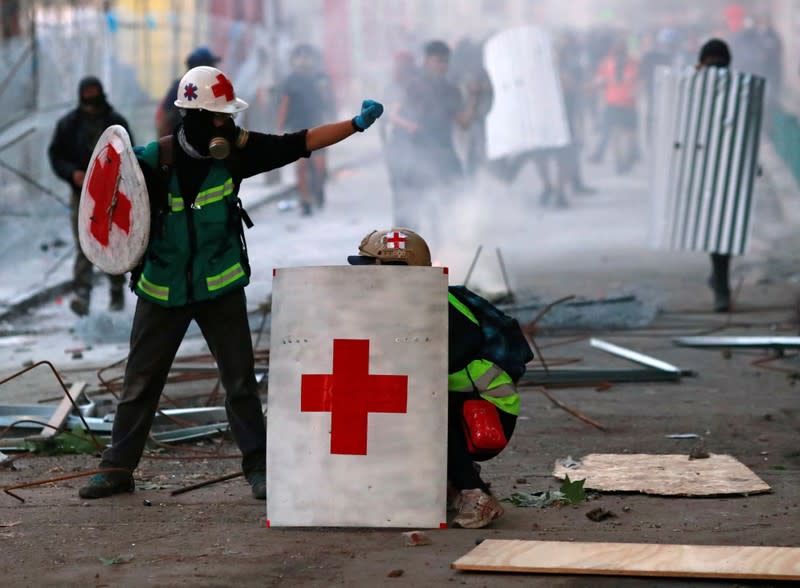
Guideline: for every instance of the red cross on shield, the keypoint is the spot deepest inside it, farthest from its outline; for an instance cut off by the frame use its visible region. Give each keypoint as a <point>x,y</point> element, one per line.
<point>350,394</point>
<point>114,209</point>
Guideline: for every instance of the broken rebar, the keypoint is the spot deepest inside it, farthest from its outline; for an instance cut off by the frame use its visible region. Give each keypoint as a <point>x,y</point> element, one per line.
<point>571,411</point>
<point>7,489</point>
<point>206,483</point>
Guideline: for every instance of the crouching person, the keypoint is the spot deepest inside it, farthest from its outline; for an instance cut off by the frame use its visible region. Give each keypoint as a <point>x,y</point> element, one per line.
<point>487,353</point>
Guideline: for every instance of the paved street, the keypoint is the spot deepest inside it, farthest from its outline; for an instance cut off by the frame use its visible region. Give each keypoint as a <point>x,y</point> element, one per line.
<point>596,248</point>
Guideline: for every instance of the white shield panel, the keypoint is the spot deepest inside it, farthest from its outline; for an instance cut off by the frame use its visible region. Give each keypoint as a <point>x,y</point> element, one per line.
<point>528,110</point>
<point>707,130</point>
<point>114,214</point>
<point>357,404</point>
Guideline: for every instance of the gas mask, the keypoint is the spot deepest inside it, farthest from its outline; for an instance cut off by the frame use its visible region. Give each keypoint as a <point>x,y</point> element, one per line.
<point>209,139</point>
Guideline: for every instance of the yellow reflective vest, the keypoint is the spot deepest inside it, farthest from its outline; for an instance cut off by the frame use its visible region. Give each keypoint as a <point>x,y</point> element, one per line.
<point>486,378</point>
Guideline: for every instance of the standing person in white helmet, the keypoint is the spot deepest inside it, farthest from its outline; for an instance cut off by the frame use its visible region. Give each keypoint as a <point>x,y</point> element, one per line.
<point>196,267</point>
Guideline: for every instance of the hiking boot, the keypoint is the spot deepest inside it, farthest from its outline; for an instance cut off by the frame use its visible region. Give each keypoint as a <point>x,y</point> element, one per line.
<point>477,509</point>
<point>258,484</point>
<point>106,484</point>
<point>117,302</point>
<point>79,304</point>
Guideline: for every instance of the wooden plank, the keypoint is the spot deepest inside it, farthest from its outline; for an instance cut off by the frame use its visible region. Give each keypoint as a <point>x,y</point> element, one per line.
<point>670,475</point>
<point>61,413</point>
<point>633,559</point>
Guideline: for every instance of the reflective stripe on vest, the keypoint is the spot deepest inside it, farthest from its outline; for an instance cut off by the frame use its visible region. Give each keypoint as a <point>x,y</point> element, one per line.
<point>489,379</point>
<point>175,203</point>
<point>229,276</point>
<point>151,289</point>
<point>213,194</point>
<point>462,308</point>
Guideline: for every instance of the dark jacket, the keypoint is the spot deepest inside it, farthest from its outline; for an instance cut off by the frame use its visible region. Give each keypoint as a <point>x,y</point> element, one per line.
<point>75,137</point>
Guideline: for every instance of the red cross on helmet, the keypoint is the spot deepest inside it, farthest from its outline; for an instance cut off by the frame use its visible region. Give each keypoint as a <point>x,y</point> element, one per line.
<point>208,88</point>
<point>398,244</point>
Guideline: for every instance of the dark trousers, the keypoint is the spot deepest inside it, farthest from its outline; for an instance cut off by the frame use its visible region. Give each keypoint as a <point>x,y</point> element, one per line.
<point>462,471</point>
<point>720,273</point>
<point>156,335</point>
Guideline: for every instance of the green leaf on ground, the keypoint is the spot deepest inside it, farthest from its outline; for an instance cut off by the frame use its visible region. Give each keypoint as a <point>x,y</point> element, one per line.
<point>573,491</point>
<point>570,493</point>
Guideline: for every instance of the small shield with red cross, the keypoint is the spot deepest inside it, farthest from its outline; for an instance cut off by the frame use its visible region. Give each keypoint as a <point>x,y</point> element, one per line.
<point>357,405</point>
<point>114,213</point>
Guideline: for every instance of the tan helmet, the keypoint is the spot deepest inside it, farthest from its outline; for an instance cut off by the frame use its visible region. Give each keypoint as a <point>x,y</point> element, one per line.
<point>395,245</point>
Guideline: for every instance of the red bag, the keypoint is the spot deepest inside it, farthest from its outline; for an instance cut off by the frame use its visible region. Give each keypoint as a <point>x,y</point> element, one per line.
<point>482,427</point>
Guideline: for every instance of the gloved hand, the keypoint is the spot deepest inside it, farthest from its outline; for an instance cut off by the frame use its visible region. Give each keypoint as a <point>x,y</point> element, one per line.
<point>370,112</point>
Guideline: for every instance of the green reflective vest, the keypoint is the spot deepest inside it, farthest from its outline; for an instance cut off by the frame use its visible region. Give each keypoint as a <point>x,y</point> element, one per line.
<point>489,379</point>
<point>195,254</point>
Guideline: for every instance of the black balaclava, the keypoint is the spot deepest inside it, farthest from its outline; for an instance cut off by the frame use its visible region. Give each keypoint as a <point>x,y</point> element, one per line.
<point>99,100</point>
<point>199,128</point>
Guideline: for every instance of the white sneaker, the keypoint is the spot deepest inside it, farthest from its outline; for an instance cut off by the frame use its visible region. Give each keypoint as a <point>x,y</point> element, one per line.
<point>476,509</point>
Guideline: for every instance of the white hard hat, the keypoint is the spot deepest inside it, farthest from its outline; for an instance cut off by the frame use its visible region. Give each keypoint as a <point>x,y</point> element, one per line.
<point>208,88</point>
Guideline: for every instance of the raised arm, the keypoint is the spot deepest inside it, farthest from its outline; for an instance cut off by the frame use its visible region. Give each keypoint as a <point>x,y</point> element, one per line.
<point>328,134</point>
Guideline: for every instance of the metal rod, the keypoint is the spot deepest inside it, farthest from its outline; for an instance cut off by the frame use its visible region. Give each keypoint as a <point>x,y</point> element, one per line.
<point>64,388</point>
<point>634,356</point>
<point>739,342</point>
<point>7,489</point>
<point>572,411</point>
<point>591,376</point>
<point>33,182</point>
<point>17,139</point>
<point>472,265</point>
<point>505,275</point>
<point>206,483</point>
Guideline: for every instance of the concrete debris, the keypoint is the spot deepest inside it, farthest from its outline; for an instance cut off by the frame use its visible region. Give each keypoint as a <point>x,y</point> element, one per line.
<point>416,539</point>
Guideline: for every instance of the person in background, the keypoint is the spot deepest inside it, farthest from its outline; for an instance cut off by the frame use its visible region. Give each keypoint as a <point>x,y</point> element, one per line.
<point>715,53</point>
<point>487,354</point>
<point>167,114</point>
<point>618,75</point>
<point>306,100</point>
<point>70,152</point>
<point>196,267</point>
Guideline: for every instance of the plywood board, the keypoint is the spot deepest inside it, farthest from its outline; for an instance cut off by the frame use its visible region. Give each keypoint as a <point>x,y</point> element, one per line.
<point>357,397</point>
<point>62,411</point>
<point>633,559</point>
<point>672,475</point>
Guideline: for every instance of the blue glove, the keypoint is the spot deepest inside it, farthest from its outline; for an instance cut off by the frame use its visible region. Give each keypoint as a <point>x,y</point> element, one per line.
<point>370,111</point>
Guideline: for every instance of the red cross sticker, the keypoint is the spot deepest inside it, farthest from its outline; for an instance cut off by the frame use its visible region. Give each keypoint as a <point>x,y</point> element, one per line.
<point>350,393</point>
<point>223,87</point>
<point>395,240</point>
<point>111,207</point>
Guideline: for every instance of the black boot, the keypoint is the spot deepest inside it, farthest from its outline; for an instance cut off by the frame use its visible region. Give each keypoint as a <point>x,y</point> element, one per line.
<point>80,302</point>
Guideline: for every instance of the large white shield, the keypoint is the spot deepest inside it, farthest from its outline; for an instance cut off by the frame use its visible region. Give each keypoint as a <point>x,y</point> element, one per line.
<point>706,136</point>
<point>357,404</point>
<point>528,110</point>
<point>114,214</point>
